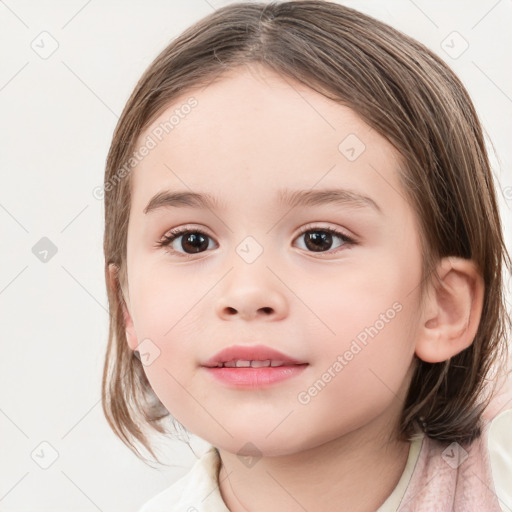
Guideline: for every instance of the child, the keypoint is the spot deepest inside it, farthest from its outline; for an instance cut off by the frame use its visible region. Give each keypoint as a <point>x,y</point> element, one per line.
<point>304,260</point>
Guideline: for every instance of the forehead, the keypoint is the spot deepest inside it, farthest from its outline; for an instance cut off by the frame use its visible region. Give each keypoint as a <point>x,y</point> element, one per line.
<point>252,131</point>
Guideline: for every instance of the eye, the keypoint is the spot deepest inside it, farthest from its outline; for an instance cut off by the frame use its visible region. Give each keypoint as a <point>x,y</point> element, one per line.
<point>195,242</point>
<point>317,239</point>
<point>320,239</point>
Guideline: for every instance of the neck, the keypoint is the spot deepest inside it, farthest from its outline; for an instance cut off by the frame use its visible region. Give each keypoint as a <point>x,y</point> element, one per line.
<point>333,476</point>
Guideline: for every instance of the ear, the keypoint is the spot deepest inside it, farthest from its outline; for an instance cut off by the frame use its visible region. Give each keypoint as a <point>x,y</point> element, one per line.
<point>452,310</point>
<point>113,281</point>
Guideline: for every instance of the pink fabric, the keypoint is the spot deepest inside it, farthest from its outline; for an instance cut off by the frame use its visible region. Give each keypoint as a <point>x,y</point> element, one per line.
<point>449,477</point>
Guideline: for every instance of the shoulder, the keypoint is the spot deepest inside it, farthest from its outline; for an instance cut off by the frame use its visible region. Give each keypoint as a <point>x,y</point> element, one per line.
<point>196,491</point>
<point>472,477</point>
<point>498,417</point>
<point>499,445</point>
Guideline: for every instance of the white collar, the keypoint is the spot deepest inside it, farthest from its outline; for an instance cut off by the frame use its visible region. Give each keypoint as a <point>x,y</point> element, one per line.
<point>198,490</point>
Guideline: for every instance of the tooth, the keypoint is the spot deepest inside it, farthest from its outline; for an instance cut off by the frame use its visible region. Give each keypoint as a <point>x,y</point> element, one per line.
<point>242,363</point>
<point>260,364</point>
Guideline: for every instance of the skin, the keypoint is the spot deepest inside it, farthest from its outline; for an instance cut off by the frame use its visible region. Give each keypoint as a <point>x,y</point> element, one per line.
<point>252,133</point>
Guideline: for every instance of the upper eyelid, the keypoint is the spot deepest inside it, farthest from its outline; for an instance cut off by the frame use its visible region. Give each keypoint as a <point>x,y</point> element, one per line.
<point>312,225</point>
<point>181,230</point>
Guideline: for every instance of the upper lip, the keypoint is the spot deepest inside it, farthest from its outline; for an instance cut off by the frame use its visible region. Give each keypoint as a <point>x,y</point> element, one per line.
<point>249,353</point>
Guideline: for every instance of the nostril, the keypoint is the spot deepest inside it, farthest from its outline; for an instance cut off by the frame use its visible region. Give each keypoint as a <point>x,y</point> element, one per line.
<point>267,310</point>
<point>231,310</point>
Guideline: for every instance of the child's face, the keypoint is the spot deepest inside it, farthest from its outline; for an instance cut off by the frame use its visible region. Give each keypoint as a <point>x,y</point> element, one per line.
<point>250,136</point>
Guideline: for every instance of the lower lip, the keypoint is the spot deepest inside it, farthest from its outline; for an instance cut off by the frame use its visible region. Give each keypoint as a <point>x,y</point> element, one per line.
<point>248,377</point>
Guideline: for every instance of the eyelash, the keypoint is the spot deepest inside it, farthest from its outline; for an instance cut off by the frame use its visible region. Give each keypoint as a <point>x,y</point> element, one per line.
<point>176,233</point>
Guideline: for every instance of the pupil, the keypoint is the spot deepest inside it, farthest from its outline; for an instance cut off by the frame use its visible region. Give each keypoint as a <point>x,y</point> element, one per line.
<point>320,240</point>
<point>193,239</point>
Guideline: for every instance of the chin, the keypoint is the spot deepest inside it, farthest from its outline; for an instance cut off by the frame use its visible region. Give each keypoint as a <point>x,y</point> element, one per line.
<point>255,443</point>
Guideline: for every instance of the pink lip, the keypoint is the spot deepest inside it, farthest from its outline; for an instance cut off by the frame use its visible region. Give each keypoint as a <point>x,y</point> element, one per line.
<point>250,353</point>
<point>248,377</point>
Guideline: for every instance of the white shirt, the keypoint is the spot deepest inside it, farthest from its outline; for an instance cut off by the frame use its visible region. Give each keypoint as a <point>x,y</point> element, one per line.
<point>198,491</point>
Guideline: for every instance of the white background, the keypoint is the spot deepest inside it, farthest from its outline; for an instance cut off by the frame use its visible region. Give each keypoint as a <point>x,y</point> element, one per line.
<point>57,119</point>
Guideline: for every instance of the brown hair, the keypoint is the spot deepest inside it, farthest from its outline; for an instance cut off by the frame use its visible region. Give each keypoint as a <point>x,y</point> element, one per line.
<point>407,94</point>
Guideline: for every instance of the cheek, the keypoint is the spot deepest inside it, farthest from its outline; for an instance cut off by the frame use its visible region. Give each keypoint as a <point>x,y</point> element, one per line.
<point>368,317</point>
<point>353,301</point>
<point>168,312</point>
<point>360,373</point>
<point>164,300</point>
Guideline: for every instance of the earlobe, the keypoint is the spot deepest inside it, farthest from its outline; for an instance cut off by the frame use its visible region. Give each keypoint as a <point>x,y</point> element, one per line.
<point>452,310</point>
<point>131,336</point>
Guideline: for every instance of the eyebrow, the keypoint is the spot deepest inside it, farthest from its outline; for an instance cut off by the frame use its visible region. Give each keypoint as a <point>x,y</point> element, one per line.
<point>285,197</point>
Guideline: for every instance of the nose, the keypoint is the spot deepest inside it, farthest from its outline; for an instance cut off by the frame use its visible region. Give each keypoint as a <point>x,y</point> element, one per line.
<point>251,297</point>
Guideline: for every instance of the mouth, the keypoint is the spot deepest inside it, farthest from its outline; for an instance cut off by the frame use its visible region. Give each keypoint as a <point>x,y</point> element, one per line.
<point>254,356</point>
<point>243,366</point>
<point>255,363</point>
